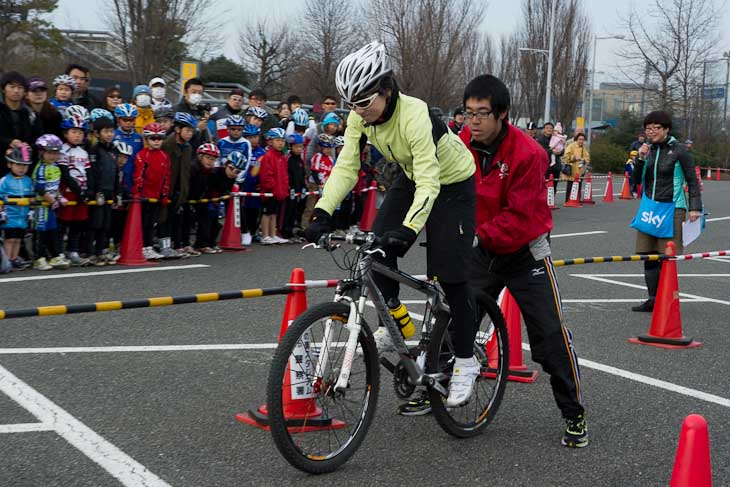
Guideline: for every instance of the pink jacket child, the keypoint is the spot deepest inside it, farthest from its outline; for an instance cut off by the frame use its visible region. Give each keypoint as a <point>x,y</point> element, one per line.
<point>557,141</point>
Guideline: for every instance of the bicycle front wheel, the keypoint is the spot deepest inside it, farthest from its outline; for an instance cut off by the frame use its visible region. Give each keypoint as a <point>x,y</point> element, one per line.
<point>491,348</point>
<point>316,426</point>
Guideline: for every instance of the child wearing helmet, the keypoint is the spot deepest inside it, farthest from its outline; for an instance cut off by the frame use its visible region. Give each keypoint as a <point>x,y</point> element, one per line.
<point>142,99</point>
<point>103,188</point>
<point>165,117</point>
<point>64,86</point>
<point>152,176</point>
<point>301,124</point>
<point>74,164</point>
<point>176,218</point>
<point>234,139</point>
<point>46,182</point>
<point>126,115</point>
<point>16,184</point>
<point>249,182</point>
<point>274,179</point>
<point>297,185</point>
<point>629,168</point>
<point>256,116</point>
<point>206,214</point>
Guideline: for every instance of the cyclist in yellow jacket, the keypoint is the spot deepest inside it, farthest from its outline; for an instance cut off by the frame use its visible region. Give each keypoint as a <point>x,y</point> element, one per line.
<point>434,188</point>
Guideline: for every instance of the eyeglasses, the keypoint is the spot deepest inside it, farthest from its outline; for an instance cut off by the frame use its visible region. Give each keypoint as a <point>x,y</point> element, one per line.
<point>364,103</point>
<point>236,98</point>
<point>480,115</point>
<point>156,137</point>
<point>127,119</point>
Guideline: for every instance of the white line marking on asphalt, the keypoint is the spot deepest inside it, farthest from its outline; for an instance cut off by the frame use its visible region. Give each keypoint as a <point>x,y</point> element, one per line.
<point>578,234</point>
<point>638,286</point>
<point>103,273</point>
<point>138,348</point>
<point>121,466</point>
<point>628,300</point>
<point>686,391</point>
<point>24,427</point>
<point>717,219</point>
<point>720,259</point>
<point>642,275</point>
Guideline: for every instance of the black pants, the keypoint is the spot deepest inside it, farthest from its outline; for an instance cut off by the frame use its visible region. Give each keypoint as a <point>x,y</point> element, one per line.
<point>450,234</point>
<point>535,289</point>
<point>204,225</point>
<point>46,243</point>
<point>76,236</point>
<point>250,220</point>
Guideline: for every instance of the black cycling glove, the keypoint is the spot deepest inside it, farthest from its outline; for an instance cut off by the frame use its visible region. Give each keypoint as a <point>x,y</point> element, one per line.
<point>398,241</point>
<point>321,224</point>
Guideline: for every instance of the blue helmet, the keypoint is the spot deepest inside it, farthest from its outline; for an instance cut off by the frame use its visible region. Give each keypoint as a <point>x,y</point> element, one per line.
<point>184,119</point>
<point>98,113</point>
<point>276,133</point>
<point>235,121</point>
<point>325,140</point>
<point>300,117</point>
<point>330,118</point>
<point>257,112</point>
<point>126,110</point>
<point>75,123</point>
<point>237,159</point>
<point>296,139</point>
<point>250,129</point>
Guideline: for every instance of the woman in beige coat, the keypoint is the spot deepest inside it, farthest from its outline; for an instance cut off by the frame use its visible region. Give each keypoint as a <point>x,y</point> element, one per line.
<point>578,158</point>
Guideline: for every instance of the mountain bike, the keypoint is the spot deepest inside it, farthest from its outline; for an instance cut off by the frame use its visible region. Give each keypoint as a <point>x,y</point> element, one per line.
<point>324,379</point>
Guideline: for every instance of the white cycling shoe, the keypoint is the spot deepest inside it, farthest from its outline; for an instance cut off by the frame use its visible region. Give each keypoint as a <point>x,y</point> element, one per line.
<point>383,340</point>
<point>466,371</point>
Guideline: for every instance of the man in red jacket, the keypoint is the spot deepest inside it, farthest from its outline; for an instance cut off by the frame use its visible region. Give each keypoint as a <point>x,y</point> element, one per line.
<point>512,248</point>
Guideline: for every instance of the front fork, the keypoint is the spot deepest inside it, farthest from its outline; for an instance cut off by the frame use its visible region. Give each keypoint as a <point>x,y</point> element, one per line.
<point>354,325</point>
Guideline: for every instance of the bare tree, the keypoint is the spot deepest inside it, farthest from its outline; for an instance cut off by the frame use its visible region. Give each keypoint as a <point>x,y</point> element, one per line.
<point>427,39</point>
<point>570,57</point>
<point>267,52</point>
<point>156,35</point>
<point>508,71</point>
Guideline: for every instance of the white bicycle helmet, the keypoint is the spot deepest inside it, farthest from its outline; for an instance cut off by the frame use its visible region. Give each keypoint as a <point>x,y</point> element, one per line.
<point>358,73</point>
<point>79,112</point>
<point>64,79</point>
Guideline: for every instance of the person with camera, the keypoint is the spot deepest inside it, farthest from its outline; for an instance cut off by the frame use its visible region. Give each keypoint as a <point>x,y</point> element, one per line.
<point>577,158</point>
<point>193,104</point>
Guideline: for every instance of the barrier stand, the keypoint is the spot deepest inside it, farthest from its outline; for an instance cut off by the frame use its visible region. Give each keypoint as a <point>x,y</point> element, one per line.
<point>665,330</point>
<point>517,370</point>
<point>717,174</point>
<point>626,188</point>
<point>300,408</point>
<point>574,192</point>
<point>699,178</point>
<point>692,465</point>
<point>608,193</point>
<point>368,213</point>
<point>588,191</point>
<point>551,193</point>
<point>130,252</point>
<point>231,235</point>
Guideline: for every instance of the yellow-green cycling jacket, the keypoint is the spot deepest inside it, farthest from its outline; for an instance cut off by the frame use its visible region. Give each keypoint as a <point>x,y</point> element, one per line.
<point>426,150</point>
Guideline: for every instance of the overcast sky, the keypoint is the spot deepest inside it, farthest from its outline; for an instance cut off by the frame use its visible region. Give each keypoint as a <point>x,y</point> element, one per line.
<point>502,18</point>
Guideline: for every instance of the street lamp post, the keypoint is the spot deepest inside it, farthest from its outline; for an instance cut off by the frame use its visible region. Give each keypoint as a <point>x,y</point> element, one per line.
<point>726,55</point>
<point>593,75</point>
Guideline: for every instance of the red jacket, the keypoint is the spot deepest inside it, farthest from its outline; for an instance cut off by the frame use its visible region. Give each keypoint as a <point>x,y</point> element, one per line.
<point>151,174</point>
<point>274,174</point>
<point>512,205</point>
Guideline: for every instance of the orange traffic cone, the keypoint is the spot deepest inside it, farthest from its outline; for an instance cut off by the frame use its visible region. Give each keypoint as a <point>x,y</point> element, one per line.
<point>717,174</point>
<point>574,192</point>
<point>551,194</point>
<point>608,194</point>
<point>300,407</point>
<point>699,178</point>
<point>130,252</point>
<point>588,191</point>
<point>665,330</point>
<point>626,188</point>
<point>692,465</point>
<point>368,213</point>
<point>518,371</point>
<point>231,235</point>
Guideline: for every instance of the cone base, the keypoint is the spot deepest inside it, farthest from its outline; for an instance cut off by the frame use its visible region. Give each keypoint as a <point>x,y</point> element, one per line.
<point>258,419</point>
<point>136,262</point>
<point>572,204</point>
<point>235,249</point>
<point>588,202</point>
<point>525,376</point>
<point>625,198</point>
<point>668,343</point>
<point>554,208</point>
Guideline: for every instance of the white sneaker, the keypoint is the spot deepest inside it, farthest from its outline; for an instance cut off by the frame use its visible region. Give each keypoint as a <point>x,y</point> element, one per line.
<point>279,240</point>
<point>267,241</point>
<point>466,371</point>
<point>383,340</point>
<point>246,239</point>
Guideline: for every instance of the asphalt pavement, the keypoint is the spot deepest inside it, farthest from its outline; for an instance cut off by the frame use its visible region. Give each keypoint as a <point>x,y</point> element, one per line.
<point>148,396</point>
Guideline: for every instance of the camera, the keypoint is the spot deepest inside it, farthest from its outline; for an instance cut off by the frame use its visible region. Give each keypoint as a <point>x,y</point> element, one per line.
<point>204,107</point>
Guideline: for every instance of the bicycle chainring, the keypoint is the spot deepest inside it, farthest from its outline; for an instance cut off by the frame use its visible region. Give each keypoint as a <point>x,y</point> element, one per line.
<point>403,388</point>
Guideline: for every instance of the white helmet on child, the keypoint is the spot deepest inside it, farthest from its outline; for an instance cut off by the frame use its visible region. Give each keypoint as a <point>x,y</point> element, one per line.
<point>358,73</point>
<point>78,111</point>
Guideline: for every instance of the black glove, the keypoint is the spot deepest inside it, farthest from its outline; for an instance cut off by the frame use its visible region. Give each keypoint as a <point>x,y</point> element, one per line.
<point>321,224</point>
<point>398,241</point>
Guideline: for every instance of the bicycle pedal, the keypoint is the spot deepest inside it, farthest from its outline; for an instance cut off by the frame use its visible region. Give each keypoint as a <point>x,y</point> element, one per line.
<point>389,366</point>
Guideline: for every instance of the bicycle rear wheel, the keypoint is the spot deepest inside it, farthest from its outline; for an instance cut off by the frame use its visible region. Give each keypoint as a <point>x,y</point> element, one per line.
<point>315,427</point>
<point>491,347</point>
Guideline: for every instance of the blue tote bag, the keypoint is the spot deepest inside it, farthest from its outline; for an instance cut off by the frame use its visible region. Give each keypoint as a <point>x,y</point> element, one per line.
<point>653,217</point>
